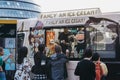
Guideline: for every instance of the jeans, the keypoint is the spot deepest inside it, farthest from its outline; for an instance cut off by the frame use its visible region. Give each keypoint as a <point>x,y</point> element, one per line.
<point>2,76</point>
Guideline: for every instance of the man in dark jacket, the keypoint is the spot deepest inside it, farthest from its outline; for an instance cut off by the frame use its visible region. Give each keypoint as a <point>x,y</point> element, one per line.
<point>86,68</point>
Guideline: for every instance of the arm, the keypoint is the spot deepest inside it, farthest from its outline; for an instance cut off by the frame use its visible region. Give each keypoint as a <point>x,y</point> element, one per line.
<point>1,68</point>
<point>1,63</point>
<point>77,70</point>
<point>6,58</point>
<point>94,71</point>
<point>64,57</point>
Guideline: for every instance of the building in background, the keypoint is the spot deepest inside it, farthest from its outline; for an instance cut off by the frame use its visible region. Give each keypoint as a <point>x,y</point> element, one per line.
<point>19,9</point>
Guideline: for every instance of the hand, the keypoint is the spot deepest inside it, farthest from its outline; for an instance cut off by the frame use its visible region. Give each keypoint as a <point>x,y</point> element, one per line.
<point>63,41</point>
<point>1,68</point>
<point>11,56</point>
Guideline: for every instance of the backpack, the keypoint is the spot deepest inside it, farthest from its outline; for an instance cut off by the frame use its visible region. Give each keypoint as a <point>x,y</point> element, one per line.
<point>98,71</point>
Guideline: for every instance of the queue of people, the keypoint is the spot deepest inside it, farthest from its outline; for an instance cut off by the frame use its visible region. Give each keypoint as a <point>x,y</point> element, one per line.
<point>44,68</point>
<point>54,67</point>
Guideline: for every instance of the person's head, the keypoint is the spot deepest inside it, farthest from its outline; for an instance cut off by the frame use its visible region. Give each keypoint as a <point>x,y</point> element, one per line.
<point>95,57</point>
<point>65,30</point>
<point>1,51</point>
<point>40,55</point>
<point>41,47</point>
<point>58,49</point>
<point>88,53</point>
<point>31,39</point>
<point>22,53</point>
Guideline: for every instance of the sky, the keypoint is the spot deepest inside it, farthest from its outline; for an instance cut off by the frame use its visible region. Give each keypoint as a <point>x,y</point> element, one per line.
<point>60,5</point>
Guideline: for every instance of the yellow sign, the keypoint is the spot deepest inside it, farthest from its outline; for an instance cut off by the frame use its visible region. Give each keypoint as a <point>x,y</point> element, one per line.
<point>8,21</point>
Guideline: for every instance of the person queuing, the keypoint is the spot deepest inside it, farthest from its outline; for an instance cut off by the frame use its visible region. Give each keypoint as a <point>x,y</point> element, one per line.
<point>58,61</point>
<point>40,70</point>
<point>86,68</point>
<point>24,65</point>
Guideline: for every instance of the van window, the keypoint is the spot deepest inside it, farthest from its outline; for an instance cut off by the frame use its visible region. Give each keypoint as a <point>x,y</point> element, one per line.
<point>20,39</point>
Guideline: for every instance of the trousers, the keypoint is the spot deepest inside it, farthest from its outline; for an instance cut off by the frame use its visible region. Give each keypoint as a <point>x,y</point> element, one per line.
<point>2,76</point>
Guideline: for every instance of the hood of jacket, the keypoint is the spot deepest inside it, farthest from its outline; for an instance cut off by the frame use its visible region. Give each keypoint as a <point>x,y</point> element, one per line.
<point>56,56</point>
